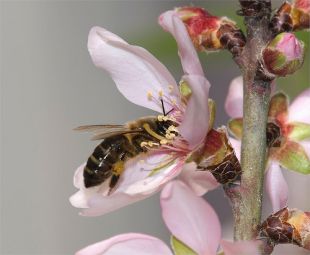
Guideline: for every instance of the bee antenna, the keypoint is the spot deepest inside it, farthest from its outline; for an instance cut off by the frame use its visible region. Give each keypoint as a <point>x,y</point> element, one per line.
<point>163,106</point>
<point>169,111</point>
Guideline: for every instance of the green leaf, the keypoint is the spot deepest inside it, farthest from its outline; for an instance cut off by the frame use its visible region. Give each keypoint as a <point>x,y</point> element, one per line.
<point>180,248</point>
<point>235,127</point>
<point>299,131</point>
<point>292,156</point>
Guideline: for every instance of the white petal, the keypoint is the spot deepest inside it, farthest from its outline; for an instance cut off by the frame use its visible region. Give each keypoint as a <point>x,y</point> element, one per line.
<point>136,72</point>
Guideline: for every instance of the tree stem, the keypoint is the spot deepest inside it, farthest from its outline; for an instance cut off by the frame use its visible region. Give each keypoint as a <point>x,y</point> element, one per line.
<point>255,110</point>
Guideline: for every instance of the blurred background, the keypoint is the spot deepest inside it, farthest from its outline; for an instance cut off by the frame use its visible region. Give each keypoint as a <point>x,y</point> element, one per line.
<point>49,86</point>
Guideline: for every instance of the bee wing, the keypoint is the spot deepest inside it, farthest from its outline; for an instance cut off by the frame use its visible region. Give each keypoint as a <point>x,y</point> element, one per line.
<point>104,131</point>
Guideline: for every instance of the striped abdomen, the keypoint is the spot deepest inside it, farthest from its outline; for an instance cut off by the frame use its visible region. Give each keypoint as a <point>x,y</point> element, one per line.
<point>110,155</point>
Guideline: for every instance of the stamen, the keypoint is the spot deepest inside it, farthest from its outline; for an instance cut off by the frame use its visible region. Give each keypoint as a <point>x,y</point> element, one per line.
<point>163,141</point>
<point>160,117</point>
<point>143,144</point>
<point>160,93</point>
<point>170,87</point>
<point>149,95</point>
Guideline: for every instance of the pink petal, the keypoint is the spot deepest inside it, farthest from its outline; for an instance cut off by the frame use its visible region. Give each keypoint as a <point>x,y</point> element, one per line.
<point>188,55</point>
<point>276,187</point>
<point>298,110</point>
<point>78,179</point>
<point>234,99</point>
<point>135,244</point>
<point>236,144</point>
<point>100,205</point>
<point>194,126</point>
<point>240,248</point>
<point>190,218</point>
<point>139,179</point>
<point>199,182</point>
<point>136,72</point>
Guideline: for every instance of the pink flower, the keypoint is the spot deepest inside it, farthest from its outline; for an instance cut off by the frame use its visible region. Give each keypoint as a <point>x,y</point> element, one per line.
<point>194,226</point>
<point>143,80</point>
<point>294,151</point>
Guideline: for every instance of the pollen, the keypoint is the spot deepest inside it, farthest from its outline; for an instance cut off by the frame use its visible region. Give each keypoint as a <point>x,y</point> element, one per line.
<point>172,128</point>
<point>151,144</point>
<point>170,136</point>
<point>170,87</point>
<point>149,95</point>
<point>163,141</point>
<point>160,93</point>
<point>160,117</point>
<point>143,144</point>
<point>173,101</point>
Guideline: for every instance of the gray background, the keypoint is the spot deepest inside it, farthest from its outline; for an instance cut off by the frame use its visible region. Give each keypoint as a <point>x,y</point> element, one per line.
<point>49,86</point>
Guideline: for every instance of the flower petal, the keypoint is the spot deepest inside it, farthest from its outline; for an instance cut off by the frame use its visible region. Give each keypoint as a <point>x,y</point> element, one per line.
<point>240,248</point>
<point>188,55</point>
<point>237,147</point>
<point>131,243</point>
<point>298,110</point>
<point>194,126</point>
<point>276,187</point>
<point>147,176</point>
<point>234,99</point>
<point>136,72</point>
<point>200,182</point>
<point>100,205</point>
<point>190,218</point>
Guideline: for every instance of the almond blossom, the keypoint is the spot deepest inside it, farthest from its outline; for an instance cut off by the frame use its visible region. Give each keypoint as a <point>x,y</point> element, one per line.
<point>293,153</point>
<point>143,80</point>
<point>194,226</point>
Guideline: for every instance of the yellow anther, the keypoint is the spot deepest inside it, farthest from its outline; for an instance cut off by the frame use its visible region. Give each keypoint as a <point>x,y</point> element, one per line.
<point>170,87</point>
<point>172,128</point>
<point>141,161</point>
<point>163,141</point>
<point>173,101</point>
<point>165,118</point>
<point>160,117</point>
<point>170,136</point>
<point>149,95</point>
<point>150,143</point>
<point>160,93</point>
<point>143,144</point>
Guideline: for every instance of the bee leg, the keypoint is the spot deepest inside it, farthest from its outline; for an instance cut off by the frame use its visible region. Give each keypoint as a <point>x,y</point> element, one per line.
<point>118,168</point>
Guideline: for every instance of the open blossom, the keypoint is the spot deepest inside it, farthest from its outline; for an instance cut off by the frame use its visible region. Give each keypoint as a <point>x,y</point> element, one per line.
<point>143,80</point>
<point>194,226</point>
<point>293,152</point>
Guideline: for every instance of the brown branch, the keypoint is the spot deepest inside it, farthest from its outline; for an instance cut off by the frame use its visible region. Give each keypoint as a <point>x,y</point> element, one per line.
<point>247,198</point>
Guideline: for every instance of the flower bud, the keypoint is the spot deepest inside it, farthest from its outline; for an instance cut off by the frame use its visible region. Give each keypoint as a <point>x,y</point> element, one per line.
<point>283,55</point>
<point>210,32</point>
<point>302,5</point>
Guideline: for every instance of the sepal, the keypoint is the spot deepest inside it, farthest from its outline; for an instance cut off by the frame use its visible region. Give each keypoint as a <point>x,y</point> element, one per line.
<point>287,226</point>
<point>299,131</point>
<point>219,158</point>
<point>293,156</point>
<point>210,32</point>
<point>180,248</point>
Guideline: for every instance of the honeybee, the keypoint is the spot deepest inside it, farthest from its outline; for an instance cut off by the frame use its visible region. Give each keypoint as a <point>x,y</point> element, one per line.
<point>123,142</point>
